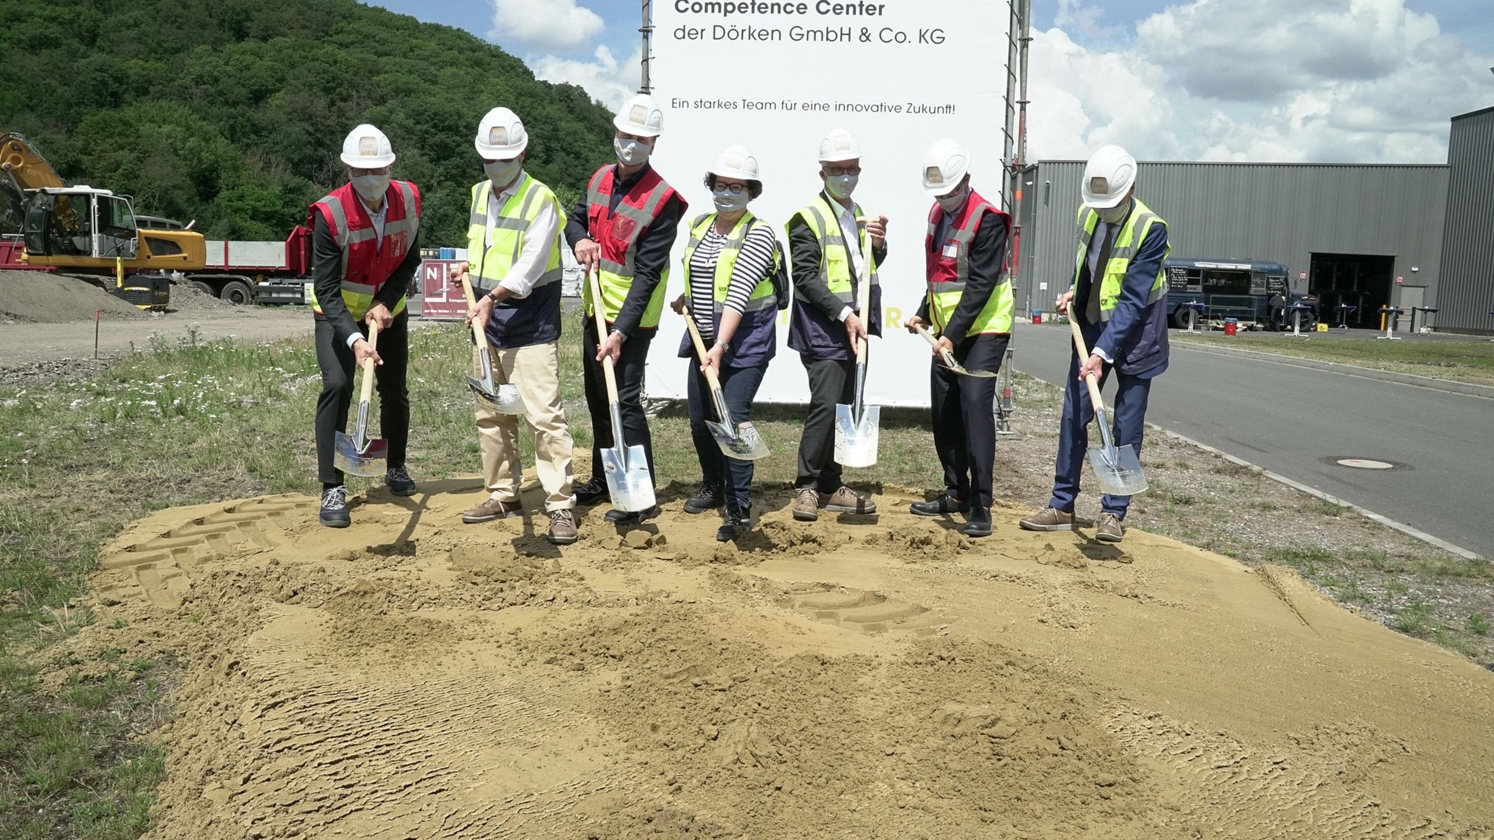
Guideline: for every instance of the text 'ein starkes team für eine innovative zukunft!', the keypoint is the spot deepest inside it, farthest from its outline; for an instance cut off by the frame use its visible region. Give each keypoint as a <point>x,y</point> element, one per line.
<point>822,14</point>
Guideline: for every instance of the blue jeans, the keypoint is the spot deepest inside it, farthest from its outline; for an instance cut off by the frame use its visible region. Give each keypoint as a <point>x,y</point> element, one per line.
<point>1129,422</point>
<point>739,385</point>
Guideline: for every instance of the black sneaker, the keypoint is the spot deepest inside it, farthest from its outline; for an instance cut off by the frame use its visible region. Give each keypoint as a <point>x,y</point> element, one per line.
<point>591,492</point>
<point>979,522</point>
<point>738,522</point>
<point>624,518</point>
<point>707,498</point>
<point>335,507</point>
<point>399,482</point>
<point>940,506</point>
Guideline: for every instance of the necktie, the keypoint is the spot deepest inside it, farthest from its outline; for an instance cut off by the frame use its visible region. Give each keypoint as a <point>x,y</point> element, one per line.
<point>1092,291</point>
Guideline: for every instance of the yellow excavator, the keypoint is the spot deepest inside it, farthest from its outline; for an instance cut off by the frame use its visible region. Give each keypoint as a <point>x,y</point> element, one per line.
<point>82,230</point>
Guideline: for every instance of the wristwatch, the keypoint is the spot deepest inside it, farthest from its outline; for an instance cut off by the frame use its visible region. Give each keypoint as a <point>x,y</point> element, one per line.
<point>724,345</point>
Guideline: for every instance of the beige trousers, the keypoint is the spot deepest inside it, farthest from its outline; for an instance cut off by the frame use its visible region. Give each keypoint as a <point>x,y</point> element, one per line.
<point>535,370</point>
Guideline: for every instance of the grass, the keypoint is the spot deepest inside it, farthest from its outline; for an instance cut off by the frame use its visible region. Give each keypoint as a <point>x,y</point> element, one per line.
<point>1463,361</point>
<point>186,422</point>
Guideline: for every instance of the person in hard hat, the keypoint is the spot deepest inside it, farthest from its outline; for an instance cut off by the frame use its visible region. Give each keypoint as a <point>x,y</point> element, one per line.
<point>365,246</point>
<point>828,248</point>
<point>513,264</point>
<point>624,229</point>
<point>732,269</point>
<point>1123,316</point>
<point>968,306</point>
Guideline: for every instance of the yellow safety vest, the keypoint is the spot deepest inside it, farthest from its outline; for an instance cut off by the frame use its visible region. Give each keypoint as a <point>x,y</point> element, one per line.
<point>1137,225</point>
<point>489,265</point>
<point>835,261</point>
<point>356,244</point>
<point>944,297</point>
<point>762,294</point>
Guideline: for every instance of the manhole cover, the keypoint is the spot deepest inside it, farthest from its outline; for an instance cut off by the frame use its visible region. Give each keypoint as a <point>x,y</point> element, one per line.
<point>1374,464</point>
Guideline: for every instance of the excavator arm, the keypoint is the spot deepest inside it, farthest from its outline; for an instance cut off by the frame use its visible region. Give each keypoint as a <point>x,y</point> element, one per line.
<point>22,168</point>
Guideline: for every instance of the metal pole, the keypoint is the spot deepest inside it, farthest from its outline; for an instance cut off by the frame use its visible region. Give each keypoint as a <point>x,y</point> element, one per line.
<point>647,30</point>
<point>1007,128</point>
<point>1021,14</point>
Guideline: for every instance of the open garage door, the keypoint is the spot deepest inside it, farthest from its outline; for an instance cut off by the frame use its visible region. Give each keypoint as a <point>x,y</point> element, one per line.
<point>1359,280</point>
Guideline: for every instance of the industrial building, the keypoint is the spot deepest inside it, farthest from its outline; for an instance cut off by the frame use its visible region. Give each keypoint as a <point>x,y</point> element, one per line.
<point>1360,235</point>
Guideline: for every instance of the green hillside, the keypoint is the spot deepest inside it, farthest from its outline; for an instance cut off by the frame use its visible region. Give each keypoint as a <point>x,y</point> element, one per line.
<point>233,112</point>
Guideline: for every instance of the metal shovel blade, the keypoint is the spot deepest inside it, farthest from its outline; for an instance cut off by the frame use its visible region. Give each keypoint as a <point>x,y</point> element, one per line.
<point>504,399</point>
<point>628,480</point>
<point>355,454</point>
<point>745,444</point>
<point>1117,467</point>
<point>978,374</point>
<point>856,443</point>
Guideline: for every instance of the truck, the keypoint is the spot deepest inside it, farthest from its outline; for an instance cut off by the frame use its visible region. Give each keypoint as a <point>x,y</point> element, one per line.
<point>1256,293</point>
<point>241,271</point>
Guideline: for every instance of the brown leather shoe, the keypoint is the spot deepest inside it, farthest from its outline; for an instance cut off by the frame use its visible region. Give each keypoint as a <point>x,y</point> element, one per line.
<point>1108,528</point>
<point>1048,519</point>
<point>490,510</point>
<point>562,527</point>
<point>806,504</point>
<point>846,500</point>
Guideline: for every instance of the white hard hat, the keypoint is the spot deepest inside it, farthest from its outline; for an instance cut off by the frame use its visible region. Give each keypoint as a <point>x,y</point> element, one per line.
<point>944,167</point>
<point>736,162</point>
<point>366,147</point>
<point>839,146</point>
<point>501,135</point>
<point>640,116</point>
<point>1108,177</point>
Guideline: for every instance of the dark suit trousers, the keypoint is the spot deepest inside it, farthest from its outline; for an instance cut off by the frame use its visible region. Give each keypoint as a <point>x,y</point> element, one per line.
<point>338,363</point>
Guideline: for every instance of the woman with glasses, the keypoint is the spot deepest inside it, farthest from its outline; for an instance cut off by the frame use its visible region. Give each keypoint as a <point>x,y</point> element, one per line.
<point>827,248</point>
<point>731,261</point>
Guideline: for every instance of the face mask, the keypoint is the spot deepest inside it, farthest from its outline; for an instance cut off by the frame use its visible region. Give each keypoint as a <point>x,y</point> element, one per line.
<point>630,152</point>
<point>727,202</point>
<point>371,188</point>
<point>502,172</point>
<point>952,204</point>
<point>841,186</point>
<point>1114,214</point>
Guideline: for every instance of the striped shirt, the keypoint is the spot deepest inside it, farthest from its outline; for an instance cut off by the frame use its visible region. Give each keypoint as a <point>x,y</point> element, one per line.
<point>754,262</point>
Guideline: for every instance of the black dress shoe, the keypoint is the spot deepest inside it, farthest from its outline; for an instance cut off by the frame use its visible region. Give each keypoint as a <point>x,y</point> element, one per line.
<point>738,522</point>
<point>591,492</point>
<point>335,507</point>
<point>940,506</point>
<point>979,522</point>
<point>706,498</point>
<point>624,518</point>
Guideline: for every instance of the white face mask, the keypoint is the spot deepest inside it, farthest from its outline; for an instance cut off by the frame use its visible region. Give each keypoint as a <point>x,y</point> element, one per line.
<point>841,186</point>
<point>371,188</point>
<point>727,202</point>
<point>630,152</point>
<point>951,204</point>
<point>1114,214</point>
<point>502,172</point>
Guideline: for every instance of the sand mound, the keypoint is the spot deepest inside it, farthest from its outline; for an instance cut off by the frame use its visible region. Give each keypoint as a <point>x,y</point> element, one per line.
<point>43,298</point>
<point>415,677</point>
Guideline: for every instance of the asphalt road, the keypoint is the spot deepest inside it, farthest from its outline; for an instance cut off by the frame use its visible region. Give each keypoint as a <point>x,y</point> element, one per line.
<point>1296,421</point>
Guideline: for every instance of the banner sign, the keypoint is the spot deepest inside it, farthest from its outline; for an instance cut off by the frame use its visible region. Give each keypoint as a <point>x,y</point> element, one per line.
<point>776,77</point>
<point>439,299</point>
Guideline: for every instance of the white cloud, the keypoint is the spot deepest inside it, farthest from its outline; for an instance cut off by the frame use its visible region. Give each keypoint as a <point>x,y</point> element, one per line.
<point>544,24</point>
<point>607,80</point>
<point>1364,80</point>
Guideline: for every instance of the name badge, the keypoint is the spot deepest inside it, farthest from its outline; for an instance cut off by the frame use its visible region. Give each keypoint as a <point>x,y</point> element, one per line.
<point>951,250</point>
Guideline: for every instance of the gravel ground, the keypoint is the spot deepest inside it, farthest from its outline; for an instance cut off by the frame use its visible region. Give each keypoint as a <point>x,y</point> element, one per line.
<point>186,297</point>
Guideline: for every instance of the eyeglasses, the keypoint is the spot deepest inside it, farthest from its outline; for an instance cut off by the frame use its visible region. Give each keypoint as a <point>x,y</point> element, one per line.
<point>734,189</point>
<point>842,170</point>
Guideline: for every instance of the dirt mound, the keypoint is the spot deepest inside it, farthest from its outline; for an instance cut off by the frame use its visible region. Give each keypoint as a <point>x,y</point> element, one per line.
<point>185,296</point>
<point>40,297</point>
<point>415,677</point>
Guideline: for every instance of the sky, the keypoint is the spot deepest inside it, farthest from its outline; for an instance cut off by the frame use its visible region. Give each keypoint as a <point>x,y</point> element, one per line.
<point>1370,81</point>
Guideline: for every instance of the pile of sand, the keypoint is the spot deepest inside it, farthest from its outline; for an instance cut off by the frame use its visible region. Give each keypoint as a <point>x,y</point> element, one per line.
<point>43,298</point>
<point>883,678</point>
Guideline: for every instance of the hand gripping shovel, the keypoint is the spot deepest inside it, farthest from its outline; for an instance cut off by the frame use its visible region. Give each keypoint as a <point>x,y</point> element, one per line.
<point>949,359</point>
<point>856,424</point>
<point>628,480</point>
<point>355,454</point>
<point>1117,468</point>
<point>503,399</point>
<point>736,441</point>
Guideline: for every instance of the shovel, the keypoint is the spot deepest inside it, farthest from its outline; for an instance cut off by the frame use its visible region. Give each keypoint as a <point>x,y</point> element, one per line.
<point>1117,467</point>
<point>856,424</point>
<point>355,454</point>
<point>949,359</point>
<point>628,480</point>
<point>503,399</point>
<point>736,441</point>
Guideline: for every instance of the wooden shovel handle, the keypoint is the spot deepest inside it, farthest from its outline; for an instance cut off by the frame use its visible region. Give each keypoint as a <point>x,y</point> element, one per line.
<point>700,350</point>
<point>1093,382</point>
<point>368,365</point>
<point>933,342</point>
<point>595,284</point>
<point>478,334</point>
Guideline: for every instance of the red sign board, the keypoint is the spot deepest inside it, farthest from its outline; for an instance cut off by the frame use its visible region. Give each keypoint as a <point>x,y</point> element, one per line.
<point>1400,279</point>
<point>439,299</point>
<point>1302,276</point>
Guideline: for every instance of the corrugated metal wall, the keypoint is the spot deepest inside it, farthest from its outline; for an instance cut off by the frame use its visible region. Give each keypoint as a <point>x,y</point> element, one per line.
<point>1260,211</point>
<point>1467,288</point>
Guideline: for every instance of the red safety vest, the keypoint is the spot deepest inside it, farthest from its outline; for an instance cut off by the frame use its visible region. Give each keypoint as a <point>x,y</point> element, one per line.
<point>367,260</point>
<point>618,232</point>
<point>947,265</point>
